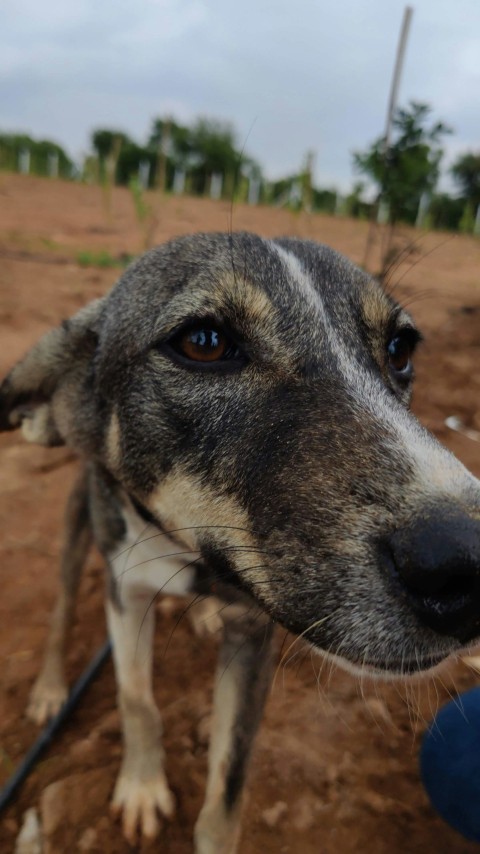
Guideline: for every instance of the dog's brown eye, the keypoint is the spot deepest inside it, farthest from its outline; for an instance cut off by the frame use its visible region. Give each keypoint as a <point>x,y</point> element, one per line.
<point>400,351</point>
<point>203,344</point>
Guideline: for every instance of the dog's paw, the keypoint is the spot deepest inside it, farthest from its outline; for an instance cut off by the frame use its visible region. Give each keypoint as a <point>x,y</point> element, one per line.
<point>214,834</point>
<point>205,617</point>
<point>139,802</point>
<point>46,700</point>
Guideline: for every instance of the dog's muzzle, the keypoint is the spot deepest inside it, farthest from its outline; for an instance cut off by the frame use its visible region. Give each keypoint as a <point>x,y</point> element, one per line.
<point>436,560</point>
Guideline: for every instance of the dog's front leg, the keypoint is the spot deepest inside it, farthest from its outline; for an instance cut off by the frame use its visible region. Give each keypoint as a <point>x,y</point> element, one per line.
<point>142,789</point>
<point>242,682</point>
<point>50,689</point>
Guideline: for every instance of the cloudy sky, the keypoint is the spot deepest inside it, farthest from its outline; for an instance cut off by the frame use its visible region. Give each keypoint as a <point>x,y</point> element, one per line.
<point>307,74</point>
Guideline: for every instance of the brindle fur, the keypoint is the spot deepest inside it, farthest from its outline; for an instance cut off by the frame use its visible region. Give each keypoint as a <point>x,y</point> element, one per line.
<point>276,484</point>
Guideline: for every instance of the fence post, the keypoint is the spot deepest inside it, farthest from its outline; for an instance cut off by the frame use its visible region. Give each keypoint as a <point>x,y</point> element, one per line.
<point>423,206</point>
<point>476,227</point>
<point>253,191</point>
<point>24,161</point>
<point>179,182</point>
<point>52,164</point>
<point>216,183</point>
<point>144,173</point>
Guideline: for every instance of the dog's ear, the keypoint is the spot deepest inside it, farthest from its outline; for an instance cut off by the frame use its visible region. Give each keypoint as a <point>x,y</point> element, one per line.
<point>45,391</point>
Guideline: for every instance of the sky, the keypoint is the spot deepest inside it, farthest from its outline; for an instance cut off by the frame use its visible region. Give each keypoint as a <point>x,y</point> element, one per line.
<point>290,76</point>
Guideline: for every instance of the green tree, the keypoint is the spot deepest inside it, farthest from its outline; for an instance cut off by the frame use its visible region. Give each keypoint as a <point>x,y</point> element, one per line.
<point>207,147</point>
<point>40,153</point>
<point>466,172</point>
<point>177,139</point>
<point>109,145</point>
<point>129,160</point>
<point>104,140</point>
<point>324,200</point>
<point>446,212</point>
<point>214,150</point>
<point>354,203</point>
<point>410,165</point>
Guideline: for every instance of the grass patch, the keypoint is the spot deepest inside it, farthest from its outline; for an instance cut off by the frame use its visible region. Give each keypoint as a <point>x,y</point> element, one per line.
<point>50,244</point>
<point>103,259</point>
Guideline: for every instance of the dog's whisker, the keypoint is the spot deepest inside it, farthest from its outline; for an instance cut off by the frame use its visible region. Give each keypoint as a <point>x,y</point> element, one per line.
<point>174,574</point>
<point>168,533</point>
<point>333,667</point>
<point>155,597</point>
<point>302,635</point>
<point>437,697</point>
<point>199,597</point>
<point>425,255</point>
<point>298,654</point>
<point>242,549</point>
<point>405,695</point>
<point>161,589</point>
<point>398,259</point>
<point>325,700</point>
<point>129,550</point>
<point>455,698</point>
<point>430,687</point>
<point>163,557</point>
<point>241,646</point>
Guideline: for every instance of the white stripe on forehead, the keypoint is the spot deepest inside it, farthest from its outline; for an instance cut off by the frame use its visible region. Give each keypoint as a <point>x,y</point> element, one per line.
<point>307,289</point>
<point>434,465</point>
<point>301,278</point>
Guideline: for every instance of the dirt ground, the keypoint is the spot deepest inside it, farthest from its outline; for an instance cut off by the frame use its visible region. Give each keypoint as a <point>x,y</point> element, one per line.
<point>335,766</point>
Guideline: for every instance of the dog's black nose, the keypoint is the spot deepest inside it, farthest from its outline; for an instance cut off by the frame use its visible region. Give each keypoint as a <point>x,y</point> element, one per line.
<point>437,559</point>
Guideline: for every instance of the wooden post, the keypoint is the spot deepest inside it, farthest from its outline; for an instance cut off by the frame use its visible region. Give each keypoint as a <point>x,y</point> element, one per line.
<point>307,188</point>
<point>163,148</point>
<point>109,176</point>
<point>397,73</point>
<point>392,106</point>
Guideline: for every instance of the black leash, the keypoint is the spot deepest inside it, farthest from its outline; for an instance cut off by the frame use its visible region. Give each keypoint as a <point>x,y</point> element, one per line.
<point>26,765</point>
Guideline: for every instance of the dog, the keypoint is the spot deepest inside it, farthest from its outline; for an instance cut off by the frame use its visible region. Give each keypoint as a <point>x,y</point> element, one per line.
<point>241,408</point>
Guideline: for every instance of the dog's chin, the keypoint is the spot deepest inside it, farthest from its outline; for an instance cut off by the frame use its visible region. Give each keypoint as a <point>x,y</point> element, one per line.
<point>388,669</point>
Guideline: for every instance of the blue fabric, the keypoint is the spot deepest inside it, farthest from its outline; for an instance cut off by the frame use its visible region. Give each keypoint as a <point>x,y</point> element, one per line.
<point>450,763</point>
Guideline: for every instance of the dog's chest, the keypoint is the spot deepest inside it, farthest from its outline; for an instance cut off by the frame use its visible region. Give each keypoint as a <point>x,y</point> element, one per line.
<point>148,559</point>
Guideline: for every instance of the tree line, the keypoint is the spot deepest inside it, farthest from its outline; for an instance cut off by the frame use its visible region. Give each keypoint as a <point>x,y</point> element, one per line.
<point>21,153</point>
<point>205,158</point>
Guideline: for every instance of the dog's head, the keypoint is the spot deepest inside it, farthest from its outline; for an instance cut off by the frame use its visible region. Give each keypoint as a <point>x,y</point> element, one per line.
<point>254,393</point>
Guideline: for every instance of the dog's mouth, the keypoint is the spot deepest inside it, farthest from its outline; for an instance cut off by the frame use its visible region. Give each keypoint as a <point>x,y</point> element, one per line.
<point>407,666</point>
<point>390,668</point>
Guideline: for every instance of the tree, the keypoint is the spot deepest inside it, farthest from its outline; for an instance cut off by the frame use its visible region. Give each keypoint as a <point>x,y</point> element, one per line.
<point>411,164</point>
<point>109,145</point>
<point>354,204</point>
<point>445,212</point>
<point>40,153</point>
<point>207,147</point>
<point>177,139</point>
<point>466,172</point>
<point>104,140</point>
<point>213,144</point>
<point>171,147</point>
<point>129,160</point>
